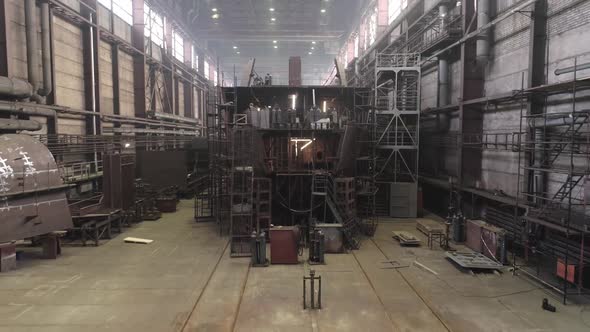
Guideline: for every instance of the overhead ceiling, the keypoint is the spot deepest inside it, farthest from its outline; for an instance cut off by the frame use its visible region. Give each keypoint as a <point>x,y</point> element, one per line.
<point>263,28</point>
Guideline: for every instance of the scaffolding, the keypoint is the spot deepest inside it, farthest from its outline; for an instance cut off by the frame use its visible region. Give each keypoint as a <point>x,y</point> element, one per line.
<point>366,189</point>
<point>395,120</point>
<point>552,241</point>
<point>212,203</point>
<point>243,205</point>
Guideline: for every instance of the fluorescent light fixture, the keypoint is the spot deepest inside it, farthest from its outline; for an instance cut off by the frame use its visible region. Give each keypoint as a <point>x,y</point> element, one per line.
<point>306,145</point>
<point>215,16</point>
<point>235,47</point>
<point>274,41</point>
<point>213,9</point>
<point>324,106</point>
<point>313,48</point>
<point>309,53</point>
<point>313,42</point>
<point>276,46</point>
<point>271,9</point>
<point>293,101</point>
<point>323,10</point>
<point>273,19</point>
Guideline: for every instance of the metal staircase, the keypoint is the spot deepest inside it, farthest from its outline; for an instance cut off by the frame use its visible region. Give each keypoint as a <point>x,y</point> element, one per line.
<point>323,185</point>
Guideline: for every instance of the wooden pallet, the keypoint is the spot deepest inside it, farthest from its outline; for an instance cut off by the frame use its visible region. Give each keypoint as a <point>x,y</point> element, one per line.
<point>406,238</point>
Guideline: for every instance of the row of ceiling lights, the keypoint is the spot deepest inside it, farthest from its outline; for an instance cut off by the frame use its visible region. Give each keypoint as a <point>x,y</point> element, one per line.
<point>273,19</point>
<point>277,46</point>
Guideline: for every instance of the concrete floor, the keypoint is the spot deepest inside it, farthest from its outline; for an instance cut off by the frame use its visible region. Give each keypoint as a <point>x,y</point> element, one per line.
<point>185,281</point>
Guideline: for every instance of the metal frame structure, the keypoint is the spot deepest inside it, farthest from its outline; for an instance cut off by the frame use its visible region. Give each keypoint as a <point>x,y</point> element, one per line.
<point>396,117</point>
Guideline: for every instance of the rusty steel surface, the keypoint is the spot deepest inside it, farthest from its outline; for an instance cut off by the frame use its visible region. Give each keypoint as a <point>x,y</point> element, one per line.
<point>32,194</point>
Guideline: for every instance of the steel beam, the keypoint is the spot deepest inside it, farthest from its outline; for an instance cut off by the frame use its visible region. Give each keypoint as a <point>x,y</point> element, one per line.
<point>4,41</point>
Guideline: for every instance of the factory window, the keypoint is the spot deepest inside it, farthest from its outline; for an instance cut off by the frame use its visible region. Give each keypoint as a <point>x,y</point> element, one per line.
<point>178,46</point>
<point>356,46</point>
<point>121,8</point>
<point>206,70</point>
<point>395,8</point>
<point>195,59</point>
<point>215,77</point>
<point>154,25</point>
<point>373,27</point>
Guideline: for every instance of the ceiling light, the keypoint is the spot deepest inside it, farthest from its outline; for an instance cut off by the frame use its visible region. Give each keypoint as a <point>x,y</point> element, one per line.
<point>313,42</point>
<point>273,19</point>
<point>323,10</point>
<point>276,46</point>
<point>271,9</point>
<point>309,53</point>
<point>238,52</point>
<point>235,47</point>
<point>214,9</point>
<point>215,16</point>
<point>313,48</point>
<point>274,41</point>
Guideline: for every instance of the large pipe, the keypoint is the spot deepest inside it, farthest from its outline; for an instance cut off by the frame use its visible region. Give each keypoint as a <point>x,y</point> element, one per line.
<point>15,87</point>
<point>14,109</point>
<point>538,175</point>
<point>561,121</point>
<point>32,47</point>
<point>571,69</point>
<point>483,40</point>
<point>46,50</point>
<point>443,121</point>
<point>443,82</point>
<point>18,124</point>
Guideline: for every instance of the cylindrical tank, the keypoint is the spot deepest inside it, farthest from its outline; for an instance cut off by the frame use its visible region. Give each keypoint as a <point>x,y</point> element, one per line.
<point>32,194</point>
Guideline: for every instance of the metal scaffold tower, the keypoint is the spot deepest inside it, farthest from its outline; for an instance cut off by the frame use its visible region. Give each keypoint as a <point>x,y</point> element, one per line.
<point>213,202</point>
<point>242,222</point>
<point>395,124</point>
<point>366,189</point>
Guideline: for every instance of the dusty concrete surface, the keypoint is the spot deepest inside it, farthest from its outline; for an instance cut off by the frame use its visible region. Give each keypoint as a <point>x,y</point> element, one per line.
<point>185,281</point>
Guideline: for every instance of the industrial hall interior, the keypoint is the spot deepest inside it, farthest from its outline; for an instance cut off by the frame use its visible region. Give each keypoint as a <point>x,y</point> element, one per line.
<point>294,165</point>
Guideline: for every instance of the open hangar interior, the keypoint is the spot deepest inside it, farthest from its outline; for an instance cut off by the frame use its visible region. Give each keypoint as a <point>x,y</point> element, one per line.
<point>301,165</point>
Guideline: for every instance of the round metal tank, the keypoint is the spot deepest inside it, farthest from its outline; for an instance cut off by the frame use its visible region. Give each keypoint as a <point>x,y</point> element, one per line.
<point>32,193</point>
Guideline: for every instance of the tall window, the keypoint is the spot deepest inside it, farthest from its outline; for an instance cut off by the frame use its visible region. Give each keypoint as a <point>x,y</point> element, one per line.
<point>178,46</point>
<point>395,8</point>
<point>373,27</point>
<point>206,69</point>
<point>215,73</point>
<point>356,46</point>
<point>195,59</point>
<point>121,8</point>
<point>154,25</point>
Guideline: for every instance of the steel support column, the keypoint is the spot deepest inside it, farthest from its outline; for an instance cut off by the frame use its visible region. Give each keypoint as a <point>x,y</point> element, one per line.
<point>116,86</point>
<point>4,41</point>
<point>90,45</point>
<point>471,118</point>
<point>139,67</point>
<point>535,181</point>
